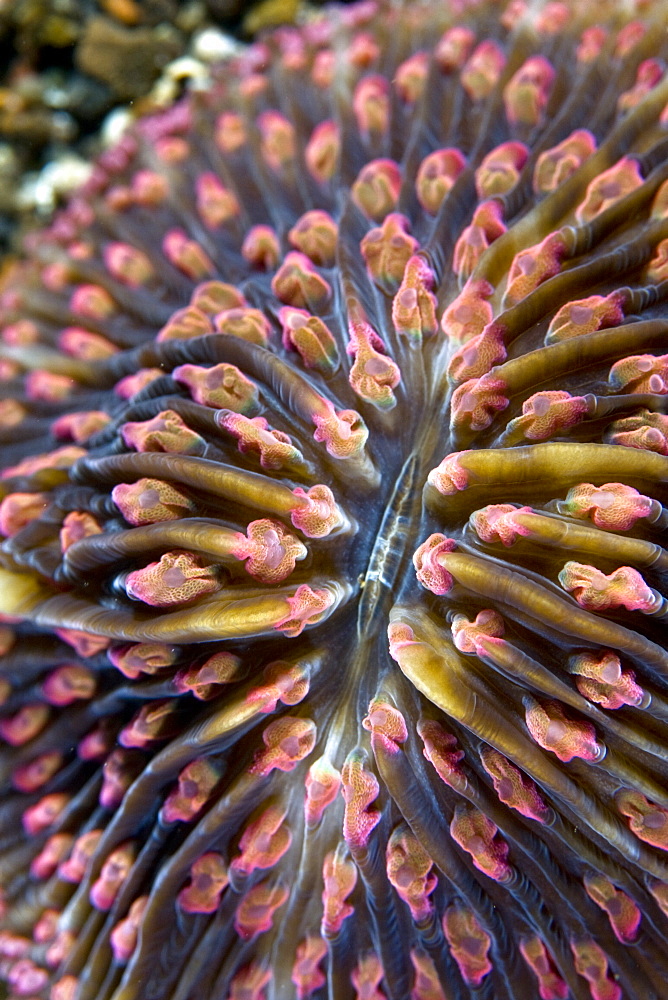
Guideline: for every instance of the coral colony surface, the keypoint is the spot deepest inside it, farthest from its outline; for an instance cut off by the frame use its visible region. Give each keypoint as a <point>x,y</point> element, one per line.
<point>334,447</point>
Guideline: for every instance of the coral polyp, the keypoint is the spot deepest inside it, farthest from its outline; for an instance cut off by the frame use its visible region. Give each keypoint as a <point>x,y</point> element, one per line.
<point>334,430</point>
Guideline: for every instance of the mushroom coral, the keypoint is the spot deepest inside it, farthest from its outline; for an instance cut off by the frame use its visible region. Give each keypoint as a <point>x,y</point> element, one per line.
<point>334,445</point>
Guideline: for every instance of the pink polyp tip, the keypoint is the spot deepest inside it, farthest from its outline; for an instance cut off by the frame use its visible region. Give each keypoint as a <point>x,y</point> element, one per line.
<point>467,635</point>
<point>322,785</point>
<point>478,836</point>
<point>360,789</point>
<point>387,722</point>
<point>429,569</point>
<point>287,741</point>
<point>409,870</point>
<point>317,513</point>
<point>469,943</point>
<point>178,577</point>
<point>387,249</point>
<point>565,737</point>
<point>339,876</point>
<point>298,283</point>
<point>255,913</point>
<point>208,880</point>
<point>269,550</point>
<point>597,591</point>
<point>436,176</point>
<point>306,607</point>
<point>376,189</point>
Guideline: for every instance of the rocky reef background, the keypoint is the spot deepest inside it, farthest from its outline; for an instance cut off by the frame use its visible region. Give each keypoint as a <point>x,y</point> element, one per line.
<point>73,71</point>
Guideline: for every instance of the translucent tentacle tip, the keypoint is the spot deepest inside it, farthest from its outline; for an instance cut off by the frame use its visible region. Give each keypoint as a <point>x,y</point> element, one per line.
<point>270,551</point>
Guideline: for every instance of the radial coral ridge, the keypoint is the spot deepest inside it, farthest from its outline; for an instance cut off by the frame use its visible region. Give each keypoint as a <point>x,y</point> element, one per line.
<point>335,438</point>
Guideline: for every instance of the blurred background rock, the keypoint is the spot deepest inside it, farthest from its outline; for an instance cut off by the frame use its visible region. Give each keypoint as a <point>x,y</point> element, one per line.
<point>73,71</point>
